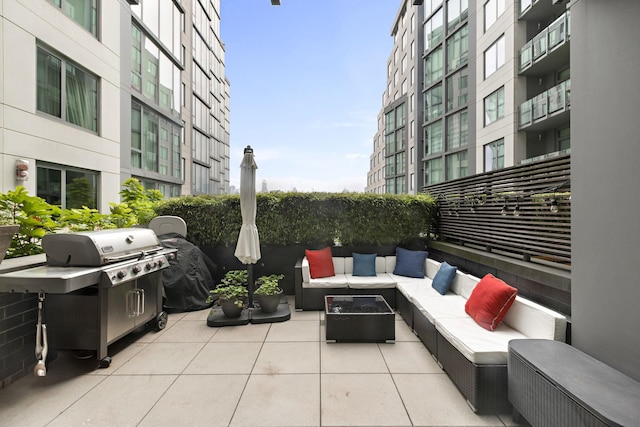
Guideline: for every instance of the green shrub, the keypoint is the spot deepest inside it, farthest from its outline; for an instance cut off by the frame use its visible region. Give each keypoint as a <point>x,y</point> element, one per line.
<point>307,218</point>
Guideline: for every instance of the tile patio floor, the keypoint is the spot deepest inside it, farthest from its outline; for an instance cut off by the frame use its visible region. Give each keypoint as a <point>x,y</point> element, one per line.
<point>279,374</point>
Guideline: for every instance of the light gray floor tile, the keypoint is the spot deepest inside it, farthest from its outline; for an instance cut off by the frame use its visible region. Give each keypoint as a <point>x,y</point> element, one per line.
<point>404,333</point>
<point>242,333</point>
<point>361,400</point>
<point>280,400</point>
<point>34,401</point>
<point>304,315</point>
<point>303,330</point>
<point>225,358</point>
<point>197,315</point>
<point>187,331</point>
<point>433,400</point>
<point>197,400</point>
<point>288,358</point>
<point>116,401</point>
<point>72,362</point>
<point>351,358</point>
<point>409,357</point>
<point>161,359</point>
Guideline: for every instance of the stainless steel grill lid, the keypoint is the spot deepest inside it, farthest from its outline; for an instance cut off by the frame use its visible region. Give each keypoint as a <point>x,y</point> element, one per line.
<point>96,248</point>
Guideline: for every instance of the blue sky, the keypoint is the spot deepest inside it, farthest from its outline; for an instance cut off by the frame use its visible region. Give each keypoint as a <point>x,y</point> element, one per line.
<point>307,79</point>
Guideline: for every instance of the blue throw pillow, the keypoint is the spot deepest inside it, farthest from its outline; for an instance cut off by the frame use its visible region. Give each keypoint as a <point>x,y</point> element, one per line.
<point>364,264</point>
<point>410,263</point>
<point>444,277</point>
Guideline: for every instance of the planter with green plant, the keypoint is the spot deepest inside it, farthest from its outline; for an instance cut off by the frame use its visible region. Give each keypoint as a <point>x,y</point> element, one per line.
<point>268,293</point>
<point>231,292</point>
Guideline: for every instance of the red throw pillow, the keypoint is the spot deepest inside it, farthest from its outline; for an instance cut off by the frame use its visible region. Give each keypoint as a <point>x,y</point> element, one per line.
<point>489,302</point>
<point>320,263</point>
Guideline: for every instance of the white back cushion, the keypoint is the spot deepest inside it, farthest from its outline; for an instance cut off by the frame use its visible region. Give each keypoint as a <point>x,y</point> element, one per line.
<point>536,321</point>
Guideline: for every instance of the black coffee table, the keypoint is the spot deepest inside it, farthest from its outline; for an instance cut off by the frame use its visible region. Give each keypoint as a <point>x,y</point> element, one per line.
<point>359,318</point>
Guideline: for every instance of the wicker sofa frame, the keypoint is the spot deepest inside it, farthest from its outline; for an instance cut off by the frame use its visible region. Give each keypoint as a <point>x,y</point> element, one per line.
<point>484,386</point>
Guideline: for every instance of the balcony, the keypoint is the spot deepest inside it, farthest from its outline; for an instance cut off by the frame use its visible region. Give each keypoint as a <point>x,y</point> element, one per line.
<point>538,10</point>
<point>551,107</point>
<point>548,50</point>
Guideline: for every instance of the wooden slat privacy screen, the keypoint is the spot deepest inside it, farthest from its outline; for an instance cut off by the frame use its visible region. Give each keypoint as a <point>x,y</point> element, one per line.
<point>471,211</point>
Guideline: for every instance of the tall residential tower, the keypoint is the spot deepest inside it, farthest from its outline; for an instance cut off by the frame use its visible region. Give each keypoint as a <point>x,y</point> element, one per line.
<point>472,86</point>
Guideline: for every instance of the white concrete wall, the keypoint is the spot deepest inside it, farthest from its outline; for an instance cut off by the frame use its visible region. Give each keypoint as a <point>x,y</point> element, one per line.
<point>605,155</point>
<point>506,76</point>
<point>25,133</point>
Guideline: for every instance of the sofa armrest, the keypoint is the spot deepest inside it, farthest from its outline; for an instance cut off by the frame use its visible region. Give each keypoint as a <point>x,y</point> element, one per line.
<point>298,284</point>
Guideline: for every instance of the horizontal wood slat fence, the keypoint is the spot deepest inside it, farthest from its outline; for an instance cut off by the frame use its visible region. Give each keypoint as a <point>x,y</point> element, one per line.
<point>521,211</point>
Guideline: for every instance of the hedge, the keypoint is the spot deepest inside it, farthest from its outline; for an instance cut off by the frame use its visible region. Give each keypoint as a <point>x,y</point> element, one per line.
<point>307,218</point>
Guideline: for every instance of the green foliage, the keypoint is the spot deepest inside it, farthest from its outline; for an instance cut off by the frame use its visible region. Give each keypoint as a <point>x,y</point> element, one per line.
<point>232,287</point>
<point>34,216</point>
<point>136,201</point>
<point>268,285</point>
<point>85,219</point>
<point>307,218</point>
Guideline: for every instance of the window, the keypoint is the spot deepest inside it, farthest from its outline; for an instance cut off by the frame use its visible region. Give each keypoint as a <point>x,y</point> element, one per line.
<point>433,67</point>
<point>433,138</point>
<point>433,103</point>
<point>457,130</point>
<point>458,49</point>
<point>433,171</point>
<point>66,91</point>
<point>494,155</point>
<point>155,143</point>
<point>84,12</point>
<point>457,12</point>
<point>494,57</point>
<point>457,165</point>
<point>433,31</point>
<point>457,89</point>
<point>492,11</point>
<point>395,149</point>
<point>157,77</point>
<point>430,6</point>
<point>69,188</point>
<point>494,106</point>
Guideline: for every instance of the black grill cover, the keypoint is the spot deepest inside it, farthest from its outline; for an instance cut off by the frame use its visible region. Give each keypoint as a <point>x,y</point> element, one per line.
<point>188,278</point>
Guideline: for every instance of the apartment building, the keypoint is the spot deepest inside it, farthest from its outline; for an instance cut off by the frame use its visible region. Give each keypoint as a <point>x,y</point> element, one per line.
<point>491,90</point>
<point>95,92</point>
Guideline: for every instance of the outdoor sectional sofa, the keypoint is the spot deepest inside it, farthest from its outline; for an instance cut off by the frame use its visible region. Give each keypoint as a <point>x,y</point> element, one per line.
<point>475,358</point>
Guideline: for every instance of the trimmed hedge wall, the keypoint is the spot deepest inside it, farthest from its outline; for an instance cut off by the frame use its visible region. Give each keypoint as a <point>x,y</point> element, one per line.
<point>307,218</point>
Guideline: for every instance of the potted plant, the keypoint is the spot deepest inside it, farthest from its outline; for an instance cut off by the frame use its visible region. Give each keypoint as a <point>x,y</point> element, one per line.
<point>268,293</point>
<point>231,292</point>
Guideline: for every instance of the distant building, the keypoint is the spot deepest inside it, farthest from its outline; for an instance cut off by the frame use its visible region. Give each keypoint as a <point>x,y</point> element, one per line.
<point>264,186</point>
<point>97,92</point>
<point>471,87</point>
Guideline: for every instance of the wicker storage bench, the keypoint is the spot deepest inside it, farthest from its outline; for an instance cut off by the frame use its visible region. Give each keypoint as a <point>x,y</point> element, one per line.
<point>553,384</point>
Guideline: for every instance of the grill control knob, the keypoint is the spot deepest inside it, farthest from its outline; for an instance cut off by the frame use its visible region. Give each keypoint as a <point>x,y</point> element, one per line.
<point>136,269</point>
<point>148,266</point>
<point>121,274</point>
<point>160,262</point>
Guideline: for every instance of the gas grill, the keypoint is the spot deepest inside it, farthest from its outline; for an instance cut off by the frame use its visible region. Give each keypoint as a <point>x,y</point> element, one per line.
<point>95,288</point>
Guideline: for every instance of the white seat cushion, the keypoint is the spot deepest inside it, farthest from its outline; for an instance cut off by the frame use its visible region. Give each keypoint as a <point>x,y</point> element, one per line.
<point>536,321</point>
<point>440,306</point>
<point>380,281</point>
<point>337,281</point>
<point>477,344</point>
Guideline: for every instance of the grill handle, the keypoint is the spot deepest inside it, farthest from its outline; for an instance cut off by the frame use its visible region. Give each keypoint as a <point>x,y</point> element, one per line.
<point>139,255</point>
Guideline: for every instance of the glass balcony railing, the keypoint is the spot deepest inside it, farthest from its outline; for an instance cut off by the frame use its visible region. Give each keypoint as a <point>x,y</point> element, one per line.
<point>549,102</point>
<point>525,5</point>
<point>545,41</point>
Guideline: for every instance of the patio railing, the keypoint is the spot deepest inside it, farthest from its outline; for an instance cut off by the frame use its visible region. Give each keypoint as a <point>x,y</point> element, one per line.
<point>521,211</point>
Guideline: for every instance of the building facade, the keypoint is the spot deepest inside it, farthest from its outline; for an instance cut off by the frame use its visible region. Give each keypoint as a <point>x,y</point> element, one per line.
<point>95,92</point>
<point>491,90</point>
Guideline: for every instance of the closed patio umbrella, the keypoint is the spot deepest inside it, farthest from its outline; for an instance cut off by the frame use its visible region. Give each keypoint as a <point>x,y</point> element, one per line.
<point>248,247</point>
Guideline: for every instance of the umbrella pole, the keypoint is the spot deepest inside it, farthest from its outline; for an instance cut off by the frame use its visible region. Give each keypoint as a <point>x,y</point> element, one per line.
<point>250,284</point>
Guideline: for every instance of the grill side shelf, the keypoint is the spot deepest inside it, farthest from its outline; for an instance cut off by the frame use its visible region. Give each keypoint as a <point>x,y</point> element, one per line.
<point>49,279</point>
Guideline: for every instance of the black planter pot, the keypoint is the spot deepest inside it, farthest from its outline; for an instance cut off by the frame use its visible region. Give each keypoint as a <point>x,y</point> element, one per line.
<point>230,309</point>
<point>268,303</point>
